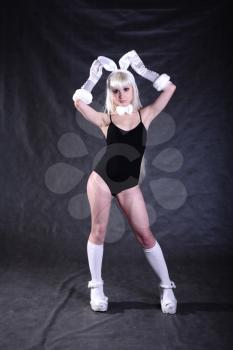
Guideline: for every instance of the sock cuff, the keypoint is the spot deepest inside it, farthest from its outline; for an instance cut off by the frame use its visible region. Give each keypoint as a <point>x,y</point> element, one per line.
<point>94,245</point>
<point>148,250</point>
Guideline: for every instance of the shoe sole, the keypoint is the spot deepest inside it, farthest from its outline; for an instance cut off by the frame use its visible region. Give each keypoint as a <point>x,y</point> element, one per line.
<point>96,307</point>
<point>169,309</point>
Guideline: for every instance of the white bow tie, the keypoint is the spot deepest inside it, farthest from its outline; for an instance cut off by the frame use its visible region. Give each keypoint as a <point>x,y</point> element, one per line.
<point>124,109</point>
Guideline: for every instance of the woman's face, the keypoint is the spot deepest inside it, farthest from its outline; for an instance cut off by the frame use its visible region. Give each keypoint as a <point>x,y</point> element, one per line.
<point>122,96</point>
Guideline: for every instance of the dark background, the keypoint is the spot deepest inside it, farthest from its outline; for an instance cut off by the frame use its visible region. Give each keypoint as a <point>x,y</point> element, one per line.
<point>46,50</point>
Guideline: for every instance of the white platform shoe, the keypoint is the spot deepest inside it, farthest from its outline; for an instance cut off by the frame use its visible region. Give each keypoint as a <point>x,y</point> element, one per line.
<point>168,300</point>
<point>98,304</point>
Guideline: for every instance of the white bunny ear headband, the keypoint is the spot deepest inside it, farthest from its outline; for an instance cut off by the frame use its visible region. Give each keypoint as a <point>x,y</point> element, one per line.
<point>132,59</point>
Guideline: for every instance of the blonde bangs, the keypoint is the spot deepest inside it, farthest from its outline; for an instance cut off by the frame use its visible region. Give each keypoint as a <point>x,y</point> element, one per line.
<point>120,80</point>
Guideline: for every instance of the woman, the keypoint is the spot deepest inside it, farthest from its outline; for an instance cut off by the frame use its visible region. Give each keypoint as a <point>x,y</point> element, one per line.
<point>124,125</point>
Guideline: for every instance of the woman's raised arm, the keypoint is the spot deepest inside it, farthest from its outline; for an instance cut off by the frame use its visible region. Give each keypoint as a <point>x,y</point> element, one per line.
<point>90,113</point>
<point>151,111</point>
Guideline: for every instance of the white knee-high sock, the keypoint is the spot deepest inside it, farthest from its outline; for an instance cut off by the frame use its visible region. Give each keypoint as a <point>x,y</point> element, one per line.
<point>156,259</point>
<point>95,257</point>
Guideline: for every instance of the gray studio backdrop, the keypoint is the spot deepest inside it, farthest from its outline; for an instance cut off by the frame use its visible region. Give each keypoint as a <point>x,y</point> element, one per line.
<point>48,149</point>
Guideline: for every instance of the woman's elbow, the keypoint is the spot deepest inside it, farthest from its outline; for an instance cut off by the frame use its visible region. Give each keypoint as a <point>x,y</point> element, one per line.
<point>170,89</point>
<point>78,104</point>
<point>172,86</point>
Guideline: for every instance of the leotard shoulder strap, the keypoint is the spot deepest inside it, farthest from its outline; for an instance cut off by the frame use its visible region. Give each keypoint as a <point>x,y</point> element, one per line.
<point>140,115</point>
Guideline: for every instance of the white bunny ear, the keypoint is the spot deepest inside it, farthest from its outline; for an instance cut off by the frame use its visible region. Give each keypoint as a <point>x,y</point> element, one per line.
<point>124,61</point>
<point>96,71</point>
<point>107,63</point>
<point>132,59</point>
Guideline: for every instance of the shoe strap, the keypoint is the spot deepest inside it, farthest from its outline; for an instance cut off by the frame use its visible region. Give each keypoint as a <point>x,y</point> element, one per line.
<point>95,284</point>
<point>168,286</point>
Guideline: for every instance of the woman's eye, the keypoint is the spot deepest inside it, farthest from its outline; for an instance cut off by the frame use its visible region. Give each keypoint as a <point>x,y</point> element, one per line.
<point>115,91</point>
<point>126,89</point>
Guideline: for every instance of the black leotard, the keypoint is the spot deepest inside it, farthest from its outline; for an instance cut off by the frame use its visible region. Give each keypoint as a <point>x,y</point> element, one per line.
<point>120,165</point>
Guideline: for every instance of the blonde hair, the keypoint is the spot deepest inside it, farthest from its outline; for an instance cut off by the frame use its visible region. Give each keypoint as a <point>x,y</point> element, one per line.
<point>118,80</point>
<point>142,170</point>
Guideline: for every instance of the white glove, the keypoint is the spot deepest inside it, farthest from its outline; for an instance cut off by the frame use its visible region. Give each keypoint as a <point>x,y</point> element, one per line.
<point>96,71</point>
<point>95,75</point>
<point>161,82</point>
<point>132,58</point>
<point>83,95</point>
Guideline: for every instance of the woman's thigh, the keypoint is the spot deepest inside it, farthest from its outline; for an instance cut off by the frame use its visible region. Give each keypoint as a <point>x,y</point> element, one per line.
<point>132,203</point>
<point>100,198</point>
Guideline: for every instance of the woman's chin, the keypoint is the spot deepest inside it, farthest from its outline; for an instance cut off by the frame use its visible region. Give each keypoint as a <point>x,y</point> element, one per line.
<point>125,103</point>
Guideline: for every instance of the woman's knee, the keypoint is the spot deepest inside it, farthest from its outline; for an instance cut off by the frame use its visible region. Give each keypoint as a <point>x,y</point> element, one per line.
<point>97,235</point>
<point>146,239</point>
